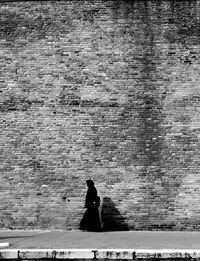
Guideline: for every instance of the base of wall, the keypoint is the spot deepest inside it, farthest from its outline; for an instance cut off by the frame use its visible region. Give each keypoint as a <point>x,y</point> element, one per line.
<point>100,254</point>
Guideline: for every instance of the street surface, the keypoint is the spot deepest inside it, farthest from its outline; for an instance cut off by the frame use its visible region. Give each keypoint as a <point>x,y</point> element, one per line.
<point>109,240</point>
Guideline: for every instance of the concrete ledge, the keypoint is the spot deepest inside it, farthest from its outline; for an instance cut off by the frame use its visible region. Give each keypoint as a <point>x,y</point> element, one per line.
<point>115,254</point>
<point>9,254</point>
<point>167,254</point>
<point>99,254</point>
<point>36,254</point>
<point>75,254</point>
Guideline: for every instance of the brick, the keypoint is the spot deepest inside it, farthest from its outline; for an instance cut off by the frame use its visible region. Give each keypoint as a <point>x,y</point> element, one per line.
<point>102,90</point>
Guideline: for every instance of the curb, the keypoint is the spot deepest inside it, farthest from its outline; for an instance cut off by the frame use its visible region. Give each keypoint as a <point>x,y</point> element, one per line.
<point>101,254</point>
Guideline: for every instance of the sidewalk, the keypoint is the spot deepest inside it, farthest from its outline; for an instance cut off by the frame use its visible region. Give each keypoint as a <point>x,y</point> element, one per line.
<point>103,240</point>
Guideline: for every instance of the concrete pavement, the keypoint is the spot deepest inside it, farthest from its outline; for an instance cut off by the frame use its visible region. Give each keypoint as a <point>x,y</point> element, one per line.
<point>33,239</point>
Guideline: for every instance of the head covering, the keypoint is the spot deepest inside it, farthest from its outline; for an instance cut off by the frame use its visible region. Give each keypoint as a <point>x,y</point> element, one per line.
<point>90,182</point>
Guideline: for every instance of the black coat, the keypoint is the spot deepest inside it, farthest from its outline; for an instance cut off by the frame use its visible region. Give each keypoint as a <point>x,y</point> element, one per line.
<point>91,220</point>
<point>91,197</point>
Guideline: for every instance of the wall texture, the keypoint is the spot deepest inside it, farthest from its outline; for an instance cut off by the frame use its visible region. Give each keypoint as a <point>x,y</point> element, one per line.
<point>107,90</point>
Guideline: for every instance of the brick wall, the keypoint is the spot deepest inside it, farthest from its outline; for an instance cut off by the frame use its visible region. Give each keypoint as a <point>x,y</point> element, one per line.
<point>107,90</point>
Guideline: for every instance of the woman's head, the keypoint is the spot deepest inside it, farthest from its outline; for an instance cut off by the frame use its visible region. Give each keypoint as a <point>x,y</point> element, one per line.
<point>90,183</point>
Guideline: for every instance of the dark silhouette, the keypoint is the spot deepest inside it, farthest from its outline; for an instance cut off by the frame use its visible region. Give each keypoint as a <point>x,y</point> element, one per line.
<point>91,219</point>
<point>111,218</point>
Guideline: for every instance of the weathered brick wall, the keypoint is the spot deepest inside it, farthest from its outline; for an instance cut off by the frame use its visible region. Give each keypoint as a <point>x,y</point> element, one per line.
<point>107,90</point>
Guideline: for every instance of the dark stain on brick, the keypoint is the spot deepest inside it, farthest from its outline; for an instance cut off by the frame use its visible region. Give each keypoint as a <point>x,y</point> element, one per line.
<point>14,25</point>
<point>18,103</point>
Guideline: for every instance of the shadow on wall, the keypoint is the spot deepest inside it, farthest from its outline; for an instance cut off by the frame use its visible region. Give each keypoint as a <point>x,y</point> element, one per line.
<point>111,218</point>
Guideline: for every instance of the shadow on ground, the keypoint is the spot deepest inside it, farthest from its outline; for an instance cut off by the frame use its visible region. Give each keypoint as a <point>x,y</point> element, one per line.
<point>111,218</point>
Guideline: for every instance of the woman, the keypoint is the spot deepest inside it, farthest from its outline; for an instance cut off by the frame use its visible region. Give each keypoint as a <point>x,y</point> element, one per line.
<point>91,219</point>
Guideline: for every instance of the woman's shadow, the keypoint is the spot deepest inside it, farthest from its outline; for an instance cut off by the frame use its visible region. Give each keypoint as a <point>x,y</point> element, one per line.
<point>111,218</point>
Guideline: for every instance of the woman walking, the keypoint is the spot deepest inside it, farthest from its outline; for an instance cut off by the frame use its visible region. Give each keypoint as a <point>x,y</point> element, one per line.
<point>91,219</point>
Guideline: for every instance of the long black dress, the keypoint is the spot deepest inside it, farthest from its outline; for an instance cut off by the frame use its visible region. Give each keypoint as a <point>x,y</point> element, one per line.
<point>91,219</point>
